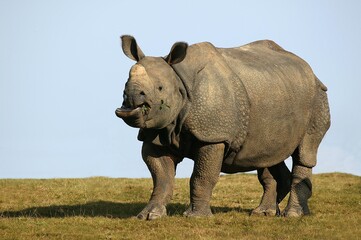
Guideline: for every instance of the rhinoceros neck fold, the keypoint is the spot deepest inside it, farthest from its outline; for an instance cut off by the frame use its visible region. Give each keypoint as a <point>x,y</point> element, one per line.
<point>168,136</point>
<point>183,76</point>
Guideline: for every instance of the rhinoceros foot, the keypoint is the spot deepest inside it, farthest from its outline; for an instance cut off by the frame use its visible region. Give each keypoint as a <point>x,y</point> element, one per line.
<point>198,212</point>
<point>296,211</point>
<point>261,211</point>
<point>152,211</point>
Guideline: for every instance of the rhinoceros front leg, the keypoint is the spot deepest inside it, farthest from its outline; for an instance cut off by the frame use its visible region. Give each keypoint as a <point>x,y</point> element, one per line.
<point>207,167</point>
<point>162,166</point>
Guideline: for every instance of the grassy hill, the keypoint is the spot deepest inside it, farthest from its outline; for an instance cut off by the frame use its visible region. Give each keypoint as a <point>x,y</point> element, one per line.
<point>102,208</point>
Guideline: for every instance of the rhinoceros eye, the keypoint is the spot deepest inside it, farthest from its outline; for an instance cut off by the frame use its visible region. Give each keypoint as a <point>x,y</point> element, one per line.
<point>160,88</point>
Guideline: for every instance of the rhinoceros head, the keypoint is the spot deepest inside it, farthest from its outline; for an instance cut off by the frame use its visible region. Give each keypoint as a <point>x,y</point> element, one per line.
<point>154,94</point>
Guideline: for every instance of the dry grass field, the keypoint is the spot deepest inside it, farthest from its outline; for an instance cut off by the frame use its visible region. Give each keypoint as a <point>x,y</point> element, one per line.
<point>103,208</point>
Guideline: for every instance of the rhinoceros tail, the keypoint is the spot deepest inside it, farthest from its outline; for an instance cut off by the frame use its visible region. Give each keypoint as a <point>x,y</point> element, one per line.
<point>320,84</point>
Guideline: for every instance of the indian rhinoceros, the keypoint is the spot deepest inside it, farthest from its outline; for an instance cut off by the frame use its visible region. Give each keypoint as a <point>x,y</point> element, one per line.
<point>230,110</point>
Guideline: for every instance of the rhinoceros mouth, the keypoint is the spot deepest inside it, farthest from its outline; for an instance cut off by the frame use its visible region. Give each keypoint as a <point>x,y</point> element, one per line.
<point>125,111</point>
<point>134,117</point>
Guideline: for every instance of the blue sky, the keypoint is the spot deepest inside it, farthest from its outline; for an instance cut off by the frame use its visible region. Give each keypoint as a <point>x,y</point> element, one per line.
<point>62,73</point>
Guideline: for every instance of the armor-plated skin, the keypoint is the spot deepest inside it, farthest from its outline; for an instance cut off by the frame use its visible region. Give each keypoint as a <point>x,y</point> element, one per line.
<point>230,110</point>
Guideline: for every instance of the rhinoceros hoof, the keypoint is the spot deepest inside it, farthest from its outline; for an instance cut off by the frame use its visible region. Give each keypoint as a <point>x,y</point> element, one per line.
<point>264,212</point>
<point>203,212</point>
<point>295,212</point>
<point>152,212</point>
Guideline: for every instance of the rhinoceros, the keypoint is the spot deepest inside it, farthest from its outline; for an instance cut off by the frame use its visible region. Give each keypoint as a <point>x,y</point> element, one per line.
<point>230,110</point>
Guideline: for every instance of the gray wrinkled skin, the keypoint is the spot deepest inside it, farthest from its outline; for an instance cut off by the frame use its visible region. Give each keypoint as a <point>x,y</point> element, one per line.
<point>230,110</point>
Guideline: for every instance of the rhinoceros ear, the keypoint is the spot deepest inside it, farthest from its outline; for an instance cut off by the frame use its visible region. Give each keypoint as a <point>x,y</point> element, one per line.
<point>177,53</point>
<point>131,48</point>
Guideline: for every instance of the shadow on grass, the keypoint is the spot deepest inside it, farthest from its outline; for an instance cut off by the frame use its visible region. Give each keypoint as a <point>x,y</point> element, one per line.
<point>102,209</point>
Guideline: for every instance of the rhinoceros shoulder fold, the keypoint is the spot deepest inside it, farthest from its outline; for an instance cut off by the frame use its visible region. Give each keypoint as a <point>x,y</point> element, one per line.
<point>219,106</point>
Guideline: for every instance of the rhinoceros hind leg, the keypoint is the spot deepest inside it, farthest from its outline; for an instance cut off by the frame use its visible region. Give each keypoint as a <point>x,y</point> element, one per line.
<point>304,159</point>
<point>268,205</point>
<point>276,182</point>
<point>301,191</point>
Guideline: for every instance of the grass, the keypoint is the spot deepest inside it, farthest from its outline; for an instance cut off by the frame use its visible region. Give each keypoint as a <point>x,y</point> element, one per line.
<point>103,208</point>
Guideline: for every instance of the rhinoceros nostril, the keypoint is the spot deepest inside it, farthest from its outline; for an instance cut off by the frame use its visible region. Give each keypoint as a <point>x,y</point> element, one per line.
<point>142,93</point>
